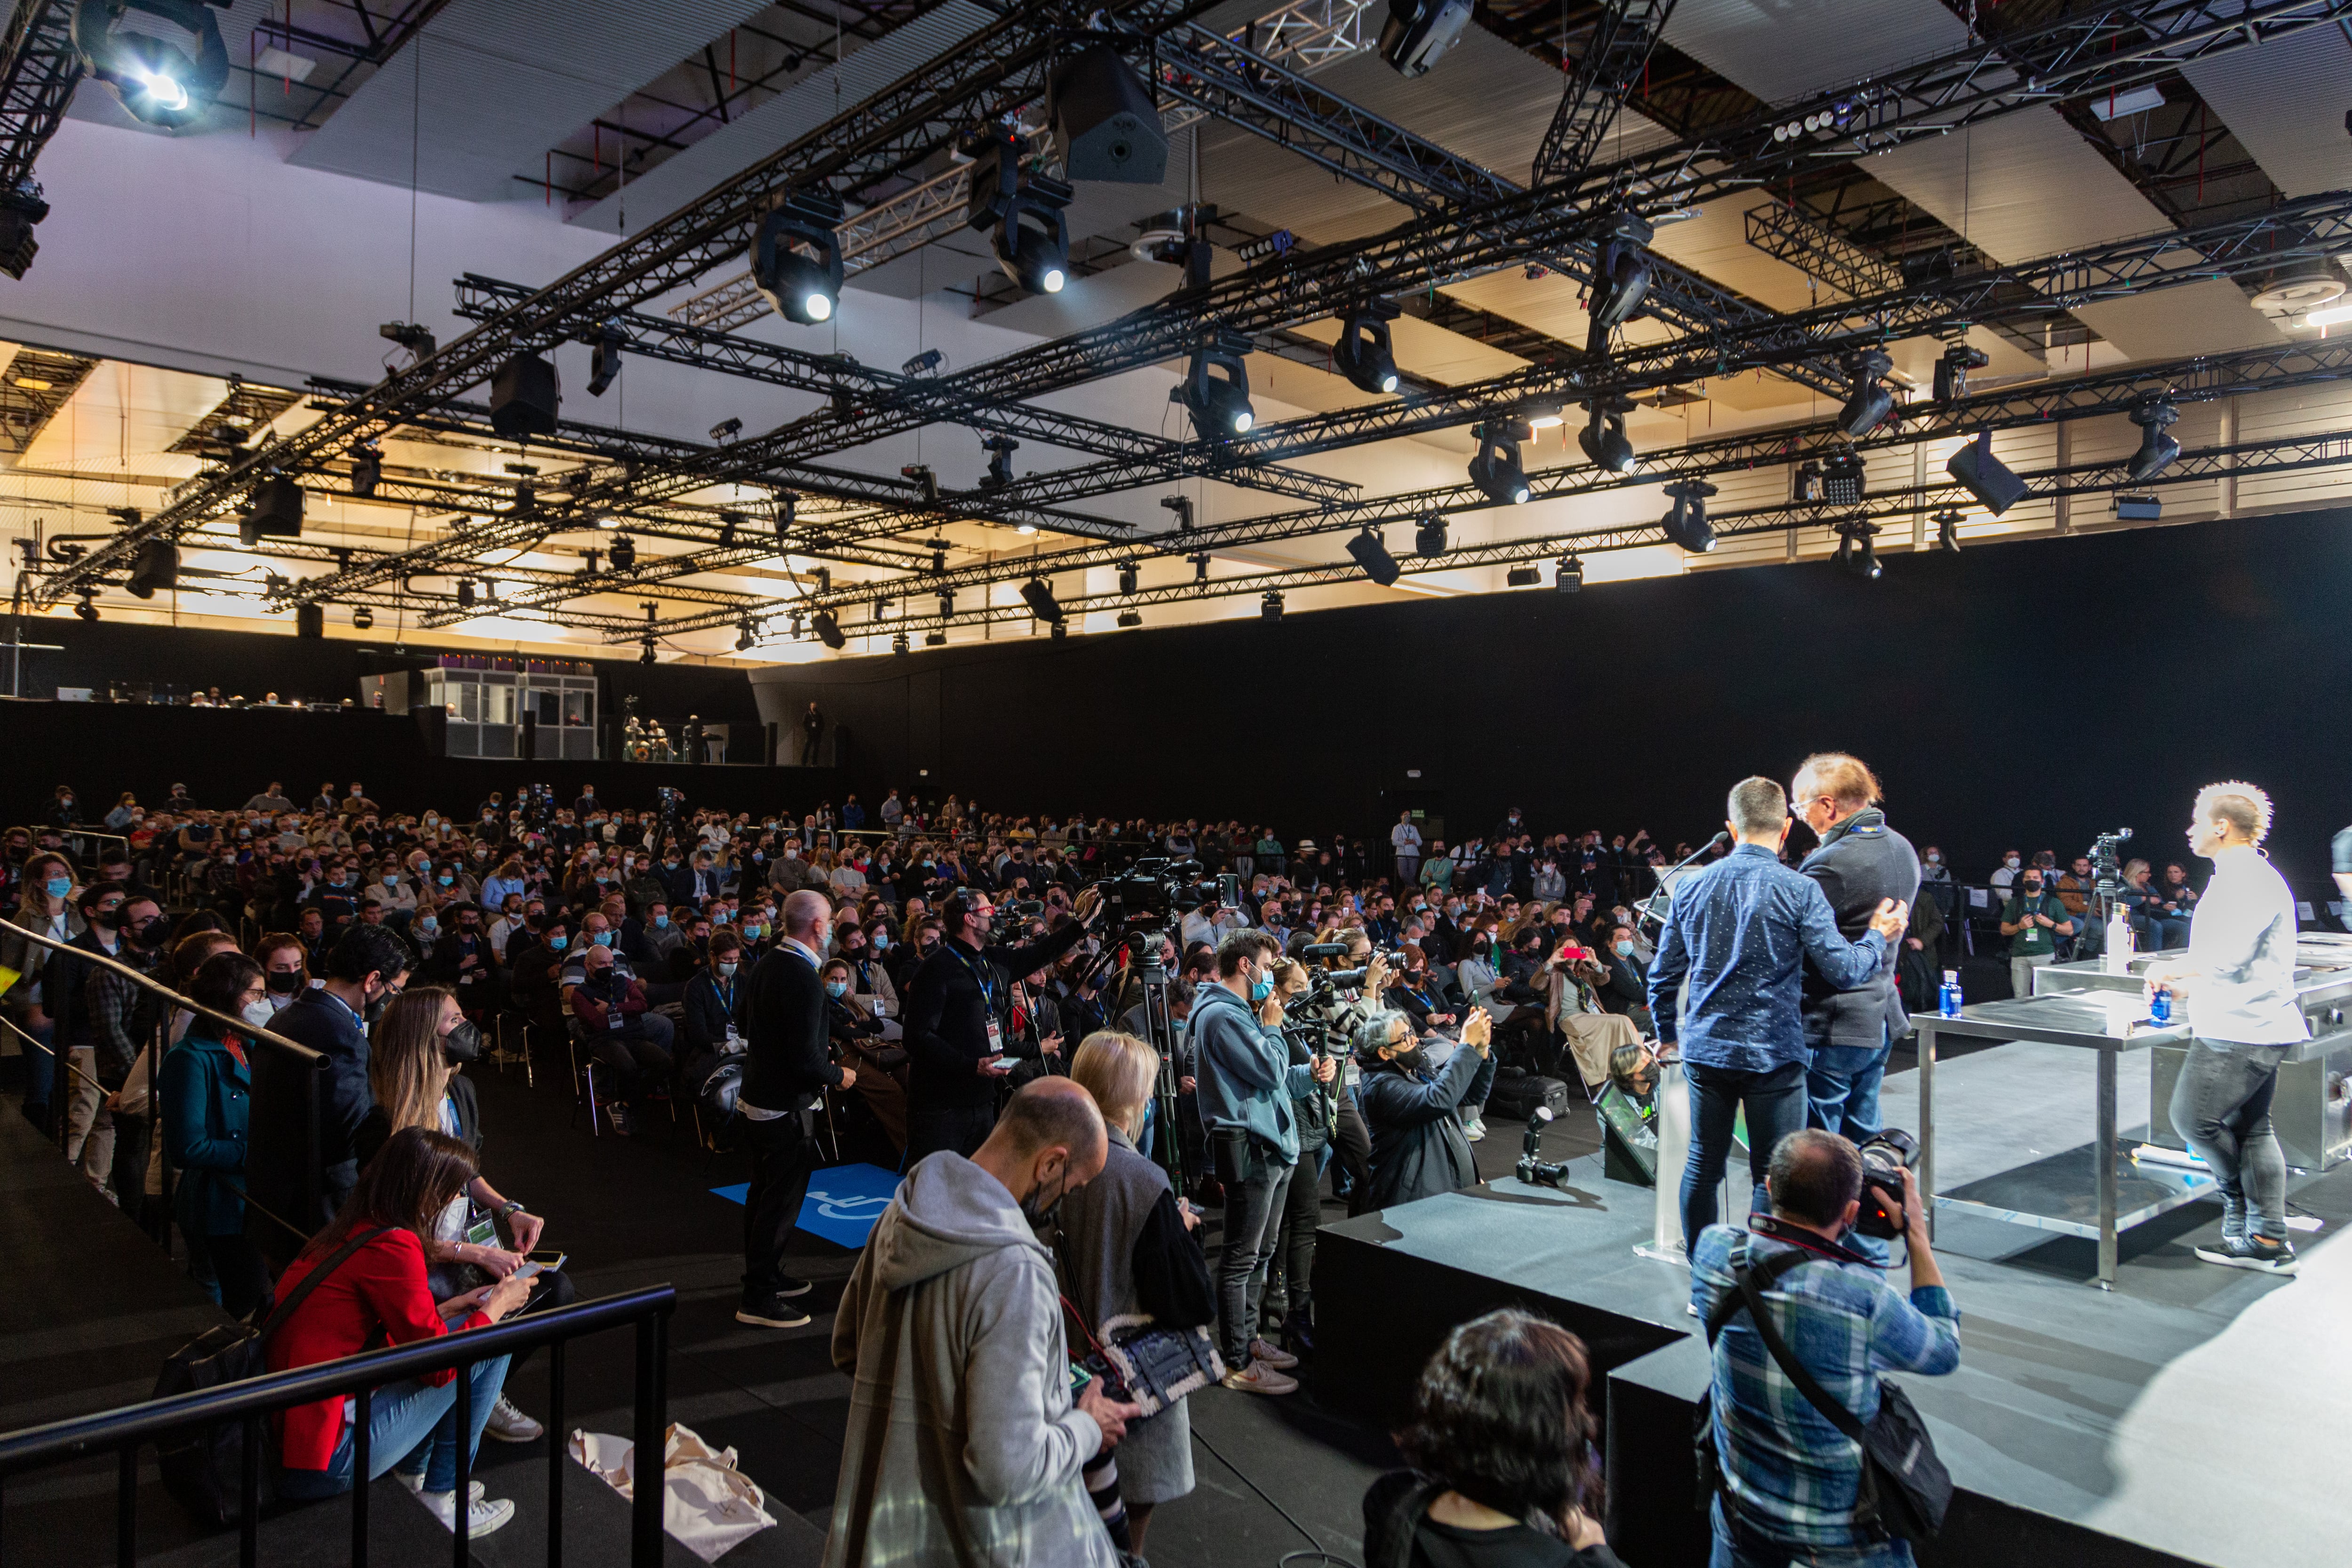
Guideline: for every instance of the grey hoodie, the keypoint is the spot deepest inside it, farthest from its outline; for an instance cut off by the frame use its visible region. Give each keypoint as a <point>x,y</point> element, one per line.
<point>962,1445</point>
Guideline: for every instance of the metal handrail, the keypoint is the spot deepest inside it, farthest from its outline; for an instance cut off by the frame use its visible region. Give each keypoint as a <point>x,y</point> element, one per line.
<point>123,1430</point>
<point>90,955</point>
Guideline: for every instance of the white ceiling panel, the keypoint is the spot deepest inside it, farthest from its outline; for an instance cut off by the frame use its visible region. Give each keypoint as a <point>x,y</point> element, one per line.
<point>1781,49</point>
<point>2286,102</point>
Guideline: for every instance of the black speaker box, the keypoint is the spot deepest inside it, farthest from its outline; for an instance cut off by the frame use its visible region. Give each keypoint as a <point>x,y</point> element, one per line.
<point>277,510</point>
<point>310,620</point>
<point>1104,124</point>
<point>524,397</point>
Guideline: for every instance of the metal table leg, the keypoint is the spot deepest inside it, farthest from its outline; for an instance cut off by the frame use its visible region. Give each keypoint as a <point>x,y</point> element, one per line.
<point>2106,1166</point>
<point>1928,1122</point>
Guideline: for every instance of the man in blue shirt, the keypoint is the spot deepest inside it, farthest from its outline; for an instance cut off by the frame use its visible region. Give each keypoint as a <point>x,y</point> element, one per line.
<point>1741,931</point>
<point>1791,1479</point>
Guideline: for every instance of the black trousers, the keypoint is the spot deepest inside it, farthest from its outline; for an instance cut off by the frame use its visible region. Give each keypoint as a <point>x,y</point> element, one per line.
<point>1293,1248</point>
<point>783,1157</point>
<point>931,1128</point>
<point>1351,1146</point>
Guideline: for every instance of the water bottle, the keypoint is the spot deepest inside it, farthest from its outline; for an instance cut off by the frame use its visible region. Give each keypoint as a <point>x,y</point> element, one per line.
<point>1948,1000</point>
<point>2160,1006</point>
<point>2119,943</point>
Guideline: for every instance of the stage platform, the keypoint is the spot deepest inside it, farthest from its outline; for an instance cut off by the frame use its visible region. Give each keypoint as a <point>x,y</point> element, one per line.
<point>2193,1415</point>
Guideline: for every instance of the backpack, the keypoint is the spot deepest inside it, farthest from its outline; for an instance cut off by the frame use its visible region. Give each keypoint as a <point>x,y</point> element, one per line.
<point>203,1467</point>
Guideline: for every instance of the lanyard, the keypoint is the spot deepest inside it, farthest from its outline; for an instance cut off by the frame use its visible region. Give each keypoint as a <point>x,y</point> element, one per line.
<point>980,975</point>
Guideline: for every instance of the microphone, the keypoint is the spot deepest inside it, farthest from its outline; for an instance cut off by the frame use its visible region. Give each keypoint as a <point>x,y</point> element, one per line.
<point>1651,908</point>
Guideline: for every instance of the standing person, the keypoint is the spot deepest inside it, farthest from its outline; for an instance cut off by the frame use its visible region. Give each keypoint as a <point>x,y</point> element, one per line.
<point>64,977</point>
<point>1860,864</point>
<point>206,1085</point>
<point>45,905</point>
<point>367,965</point>
<point>1247,1088</point>
<point>2238,979</point>
<point>123,1015</point>
<point>964,1445</point>
<point>812,731</point>
<point>1792,1480</point>
<point>787,1069</point>
<point>1130,1249</point>
<point>958,1021</point>
<point>1405,839</point>
<point>2034,923</point>
<point>1741,931</point>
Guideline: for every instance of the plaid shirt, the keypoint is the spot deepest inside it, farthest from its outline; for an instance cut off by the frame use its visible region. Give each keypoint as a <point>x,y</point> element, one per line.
<point>1792,1474</point>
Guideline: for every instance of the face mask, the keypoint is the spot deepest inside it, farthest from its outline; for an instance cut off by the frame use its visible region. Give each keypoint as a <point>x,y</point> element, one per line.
<point>752,932</point>
<point>1261,988</point>
<point>1624,949</point>
<point>1414,1061</point>
<point>2033,886</point>
<point>391,879</point>
<point>661,923</point>
<point>58,887</point>
<point>2012,862</point>
<point>602,939</point>
<point>462,1043</point>
<point>837,988</point>
<point>1935,859</point>
<point>556,944</point>
<point>727,970</point>
<point>1039,1210</point>
<point>881,943</point>
<point>428,925</point>
<point>258,1014</point>
<point>283,982</point>
<point>447,881</point>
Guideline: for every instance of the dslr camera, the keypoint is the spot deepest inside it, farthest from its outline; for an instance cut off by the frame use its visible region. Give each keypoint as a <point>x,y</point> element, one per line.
<point>1886,1156</point>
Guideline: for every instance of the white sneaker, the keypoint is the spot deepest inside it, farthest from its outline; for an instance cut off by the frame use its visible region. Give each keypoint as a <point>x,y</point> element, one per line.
<point>414,1482</point>
<point>1475,1129</point>
<point>1268,1354</point>
<point>481,1518</point>
<point>509,1424</point>
<point>1260,1378</point>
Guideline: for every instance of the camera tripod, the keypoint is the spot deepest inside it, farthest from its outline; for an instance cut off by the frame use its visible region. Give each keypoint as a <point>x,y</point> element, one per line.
<point>1160,1033</point>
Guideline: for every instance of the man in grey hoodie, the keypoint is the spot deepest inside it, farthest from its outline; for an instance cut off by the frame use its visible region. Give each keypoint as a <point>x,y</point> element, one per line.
<point>964,1445</point>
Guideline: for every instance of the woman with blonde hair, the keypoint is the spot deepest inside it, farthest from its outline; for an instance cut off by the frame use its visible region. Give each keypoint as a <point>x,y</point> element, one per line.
<point>1128,1254</point>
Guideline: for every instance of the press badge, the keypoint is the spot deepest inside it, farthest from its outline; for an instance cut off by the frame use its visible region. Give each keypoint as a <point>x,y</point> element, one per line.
<point>995,1038</point>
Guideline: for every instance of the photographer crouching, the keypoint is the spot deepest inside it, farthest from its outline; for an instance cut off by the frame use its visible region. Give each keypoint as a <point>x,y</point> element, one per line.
<point>1418,1146</point>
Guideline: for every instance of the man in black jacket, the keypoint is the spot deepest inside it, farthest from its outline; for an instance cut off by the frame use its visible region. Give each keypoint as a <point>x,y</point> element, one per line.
<point>1861,863</point>
<point>958,1023</point>
<point>368,963</point>
<point>1418,1148</point>
<point>789,1067</point>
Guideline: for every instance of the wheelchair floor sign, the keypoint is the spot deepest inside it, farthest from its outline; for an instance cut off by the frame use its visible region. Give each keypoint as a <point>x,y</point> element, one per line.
<point>843,1202</point>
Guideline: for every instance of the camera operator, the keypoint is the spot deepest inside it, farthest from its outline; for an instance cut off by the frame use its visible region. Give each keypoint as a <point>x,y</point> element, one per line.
<point>1418,1146</point>
<point>1351,1140</point>
<point>1289,1298</point>
<point>1790,1479</point>
<point>959,1019</point>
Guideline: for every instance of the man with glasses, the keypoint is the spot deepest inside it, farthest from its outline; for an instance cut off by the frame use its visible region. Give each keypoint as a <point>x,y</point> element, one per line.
<point>959,1019</point>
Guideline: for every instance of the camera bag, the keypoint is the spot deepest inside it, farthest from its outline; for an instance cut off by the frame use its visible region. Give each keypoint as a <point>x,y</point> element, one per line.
<point>1516,1097</point>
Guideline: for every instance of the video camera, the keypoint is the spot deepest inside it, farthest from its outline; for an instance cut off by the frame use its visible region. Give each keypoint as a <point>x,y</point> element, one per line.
<point>1013,912</point>
<point>673,807</point>
<point>537,804</point>
<point>2106,861</point>
<point>1150,895</point>
<point>1886,1156</point>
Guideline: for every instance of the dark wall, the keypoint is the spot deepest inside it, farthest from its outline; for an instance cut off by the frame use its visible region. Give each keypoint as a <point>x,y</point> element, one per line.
<point>2025,694</point>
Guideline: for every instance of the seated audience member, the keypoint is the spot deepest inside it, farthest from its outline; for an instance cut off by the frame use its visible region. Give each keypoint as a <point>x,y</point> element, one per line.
<point>857,1037</point>
<point>618,1031</point>
<point>1505,1471</point>
<point>1420,1147</point>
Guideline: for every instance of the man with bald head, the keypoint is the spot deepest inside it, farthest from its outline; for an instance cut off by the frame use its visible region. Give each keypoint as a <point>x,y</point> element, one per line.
<point>964,1445</point>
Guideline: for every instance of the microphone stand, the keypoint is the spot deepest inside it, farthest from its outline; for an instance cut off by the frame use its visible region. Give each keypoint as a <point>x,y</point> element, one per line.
<point>1650,907</point>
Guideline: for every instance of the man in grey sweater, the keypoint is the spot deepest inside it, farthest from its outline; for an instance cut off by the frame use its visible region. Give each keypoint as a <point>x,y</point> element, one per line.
<point>964,1445</point>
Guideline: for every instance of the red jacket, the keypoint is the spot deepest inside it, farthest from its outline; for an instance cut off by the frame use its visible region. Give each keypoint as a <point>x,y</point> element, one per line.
<point>378,1296</point>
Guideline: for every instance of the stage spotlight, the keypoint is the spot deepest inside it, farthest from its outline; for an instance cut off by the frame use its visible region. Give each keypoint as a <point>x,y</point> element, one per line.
<point>645,653</point>
<point>1219,404</point>
<point>1496,469</point>
<point>624,552</point>
<point>924,481</point>
<point>362,618</point>
<point>20,209</point>
<point>1032,240</point>
<point>1371,553</point>
<point>156,81</point>
<point>413,336</point>
<point>1363,352</point>
<point>999,451</point>
<point>1568,575</point>
<point>154,564</point>
<point>827,628</point>
<point>745,637</point>
<point>367,469</point>
<point>1419,32</point>
<point>1061,631</point>
<point>1182,507</point>
<point>1986,476</point>
<point>1522,577</point>
<point>1856,551</point>
<point>1621,277</point>
<point>787,509</point>
<point>1603,436</point>
<point>2138,509</point>
<point>1269,608</point>
<point>822,577</point>
<point>1039,597</point>
<point>466,592</point>
<point>898,643</point>
<point>935,639</point>
<point>796,259</point>
<point>1686,521</point>
<point>947,603</point>
<point>1952,372</point>
<point>605,363</point>
<point>1841,479</point>
<point>1429,538</point>
<point>2152,412</point>
<point>931,362</point>
<point>1199,566</point>
<point>1948,531</point>
<point>1129,619</point>
<point>1871,401</point>
<point>792,627</point>
<point>1544,416</point>
<point>1130,577</point>
<point>86,611</point>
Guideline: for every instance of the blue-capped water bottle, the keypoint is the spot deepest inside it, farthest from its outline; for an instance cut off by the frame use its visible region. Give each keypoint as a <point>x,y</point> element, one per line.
<point>1948,1000</point>
<point>2159,1006</point>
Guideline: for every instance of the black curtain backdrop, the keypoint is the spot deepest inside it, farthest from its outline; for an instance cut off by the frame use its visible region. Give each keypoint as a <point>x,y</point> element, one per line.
<point>2024,695</point>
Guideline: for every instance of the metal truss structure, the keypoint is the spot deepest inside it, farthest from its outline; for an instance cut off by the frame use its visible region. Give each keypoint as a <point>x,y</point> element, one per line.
<point>1611,63</point>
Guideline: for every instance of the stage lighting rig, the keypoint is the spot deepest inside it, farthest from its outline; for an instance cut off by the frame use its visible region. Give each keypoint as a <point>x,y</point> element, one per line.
<point>1952,372</point>
<point>367,469</point>
<point>157,82</point>
<point>787,505</point>
<point>1871,401</point>
<point>605,360</point>
<point>86,610</point>
<point>1129,619</point>
<point>747,636</point>
<point>1371,553</point>
<point>645,653</point>
<point>1568,575</point>
<point>935,639</point>
<point>1182,507</point>
<point>1858,552</point>
<point>413,336</point>
<point>1603,438</point>
<point>1200,567</point>
<point>1269,606</point>
<point>1429,537</point>
<point>1522,577</point>
<point>2152,411</point>
<point>1496,469</point>
<point>1686,521</point>
<point>466,592</point>
<point>1363,352</point>
<point>1842,480</point>
<point>1024,208</point>
<point>623,552</point>
<point>898,643</point>
<point>1039,597</point>
<point>947,603</point>
<point>999,451</point>
<point>1219,404</point>
<point>1419,32</point>
<point>926,483</point>
<point>1948,531</point>
<point>723,434</point>
<point>20,209</point>
<point>362,618</point>
<point>155,564</point>
<point>796,257</point>
<point>931,362</point>
<point>1621,277</point>
<point>1986,476</point>
<point>1130,576</point>
<point>827,626</point>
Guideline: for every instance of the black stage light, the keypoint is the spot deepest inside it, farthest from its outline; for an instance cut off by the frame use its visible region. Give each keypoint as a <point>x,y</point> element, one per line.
<point>20,209</point>
<point>1129,619</point>
<point>310,620</point>
<point>2138,509</point>
<point>1522,577</point>
<point>1371,553</point>
<point>724,433</point>
<point>1603,438</point>
<point>1496,469</point>
<point>898,643</point>
<point>1948,531</point>
<point>1363,352</point>
<point>1269,608</point>
<point>1807,487</point>
<point>1061,631</point>
<point>1429,536</point>
<point>157,82</point>
<point>645,653</point>
<point>1858,552</point>
<point>1952,372</point>
<point>1199,566</point>
<point>367,469</point>
<point>524,397</point>
<point>1182,507</point>
<point>154,564</point>
<point>947,603</point>
<point>787,508</point>
<point>822,577</point>
<point>86,610</point>
<point>605,363</point>
<point>828,628</point>
<point>1220,404</point>
<point>999,451</point>
<point>624,552</point>
<point>1130,576</point>
<point>1986,476</point>
<point>1040,600</point>
<point>1621,277</point>
<point>1030,237</point>
<point>796,259</point>
<point>935,639</point>
<point>466,592</point>
<point>931,362</point>
<point>745,637</point>
<point>2152,412</point>
<point>1871,400</point>
<point>1686,521</point>
<point>924,481</point>
<point>1842,480</point>
<point>362,618</point>
<point>276,511</point>
<point>1568,575</point>
<point>1106,125</point>
<point>413,336</point>
<point>1419,32</point>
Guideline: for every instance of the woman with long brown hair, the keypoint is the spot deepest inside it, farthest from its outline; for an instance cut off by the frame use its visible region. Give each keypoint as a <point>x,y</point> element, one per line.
<point>47,907</point>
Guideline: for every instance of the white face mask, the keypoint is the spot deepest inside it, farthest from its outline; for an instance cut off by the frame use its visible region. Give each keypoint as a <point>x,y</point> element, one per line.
<point>259,1014</point>
<point>2012,862</point>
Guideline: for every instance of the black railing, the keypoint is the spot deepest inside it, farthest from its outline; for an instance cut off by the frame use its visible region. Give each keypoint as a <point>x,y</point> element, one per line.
<point>249,1402</point>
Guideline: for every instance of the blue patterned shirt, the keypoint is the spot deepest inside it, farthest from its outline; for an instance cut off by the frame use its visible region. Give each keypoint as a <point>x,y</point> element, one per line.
<point>1742,930</point>
<point>1791,1473</point>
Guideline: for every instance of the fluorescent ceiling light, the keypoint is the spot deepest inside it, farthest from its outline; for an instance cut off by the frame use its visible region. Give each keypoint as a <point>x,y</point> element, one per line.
<point>277,62</point>
<point>2137,100</point>
<point>2327,318</point>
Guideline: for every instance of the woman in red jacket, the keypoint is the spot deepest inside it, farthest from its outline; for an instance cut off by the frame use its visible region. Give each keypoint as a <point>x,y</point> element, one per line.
<point>379,1296</point>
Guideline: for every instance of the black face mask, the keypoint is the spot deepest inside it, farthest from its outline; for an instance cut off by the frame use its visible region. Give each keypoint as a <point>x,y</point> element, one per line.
<point>1040,1212</point>
<point>462,1043</point>
<point>284,982</point>
<point>1415,1060</point>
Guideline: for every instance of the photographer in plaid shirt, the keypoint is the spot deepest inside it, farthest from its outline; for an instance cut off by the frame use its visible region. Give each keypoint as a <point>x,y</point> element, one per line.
<point>1789,1477</point>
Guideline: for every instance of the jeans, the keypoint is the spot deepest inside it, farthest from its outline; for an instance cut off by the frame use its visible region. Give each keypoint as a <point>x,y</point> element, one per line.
<point>1253,1210</point>
<point>1739,1546</point>
<point>37,1073</point>
<point>2222,1105</point>
<point>1482,1084</point>
<point>404,1420</point>
<point>1842,1085</point>
<point>1775,1102</point>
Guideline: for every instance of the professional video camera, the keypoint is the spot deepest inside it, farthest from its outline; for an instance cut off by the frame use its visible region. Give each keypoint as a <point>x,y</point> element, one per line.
<point>1151,896</point>
<point>1884,1157</point>
<point>2106,860</point>
<point>537,804</point>
<point>1011,914</point>
<point>673,807</point>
